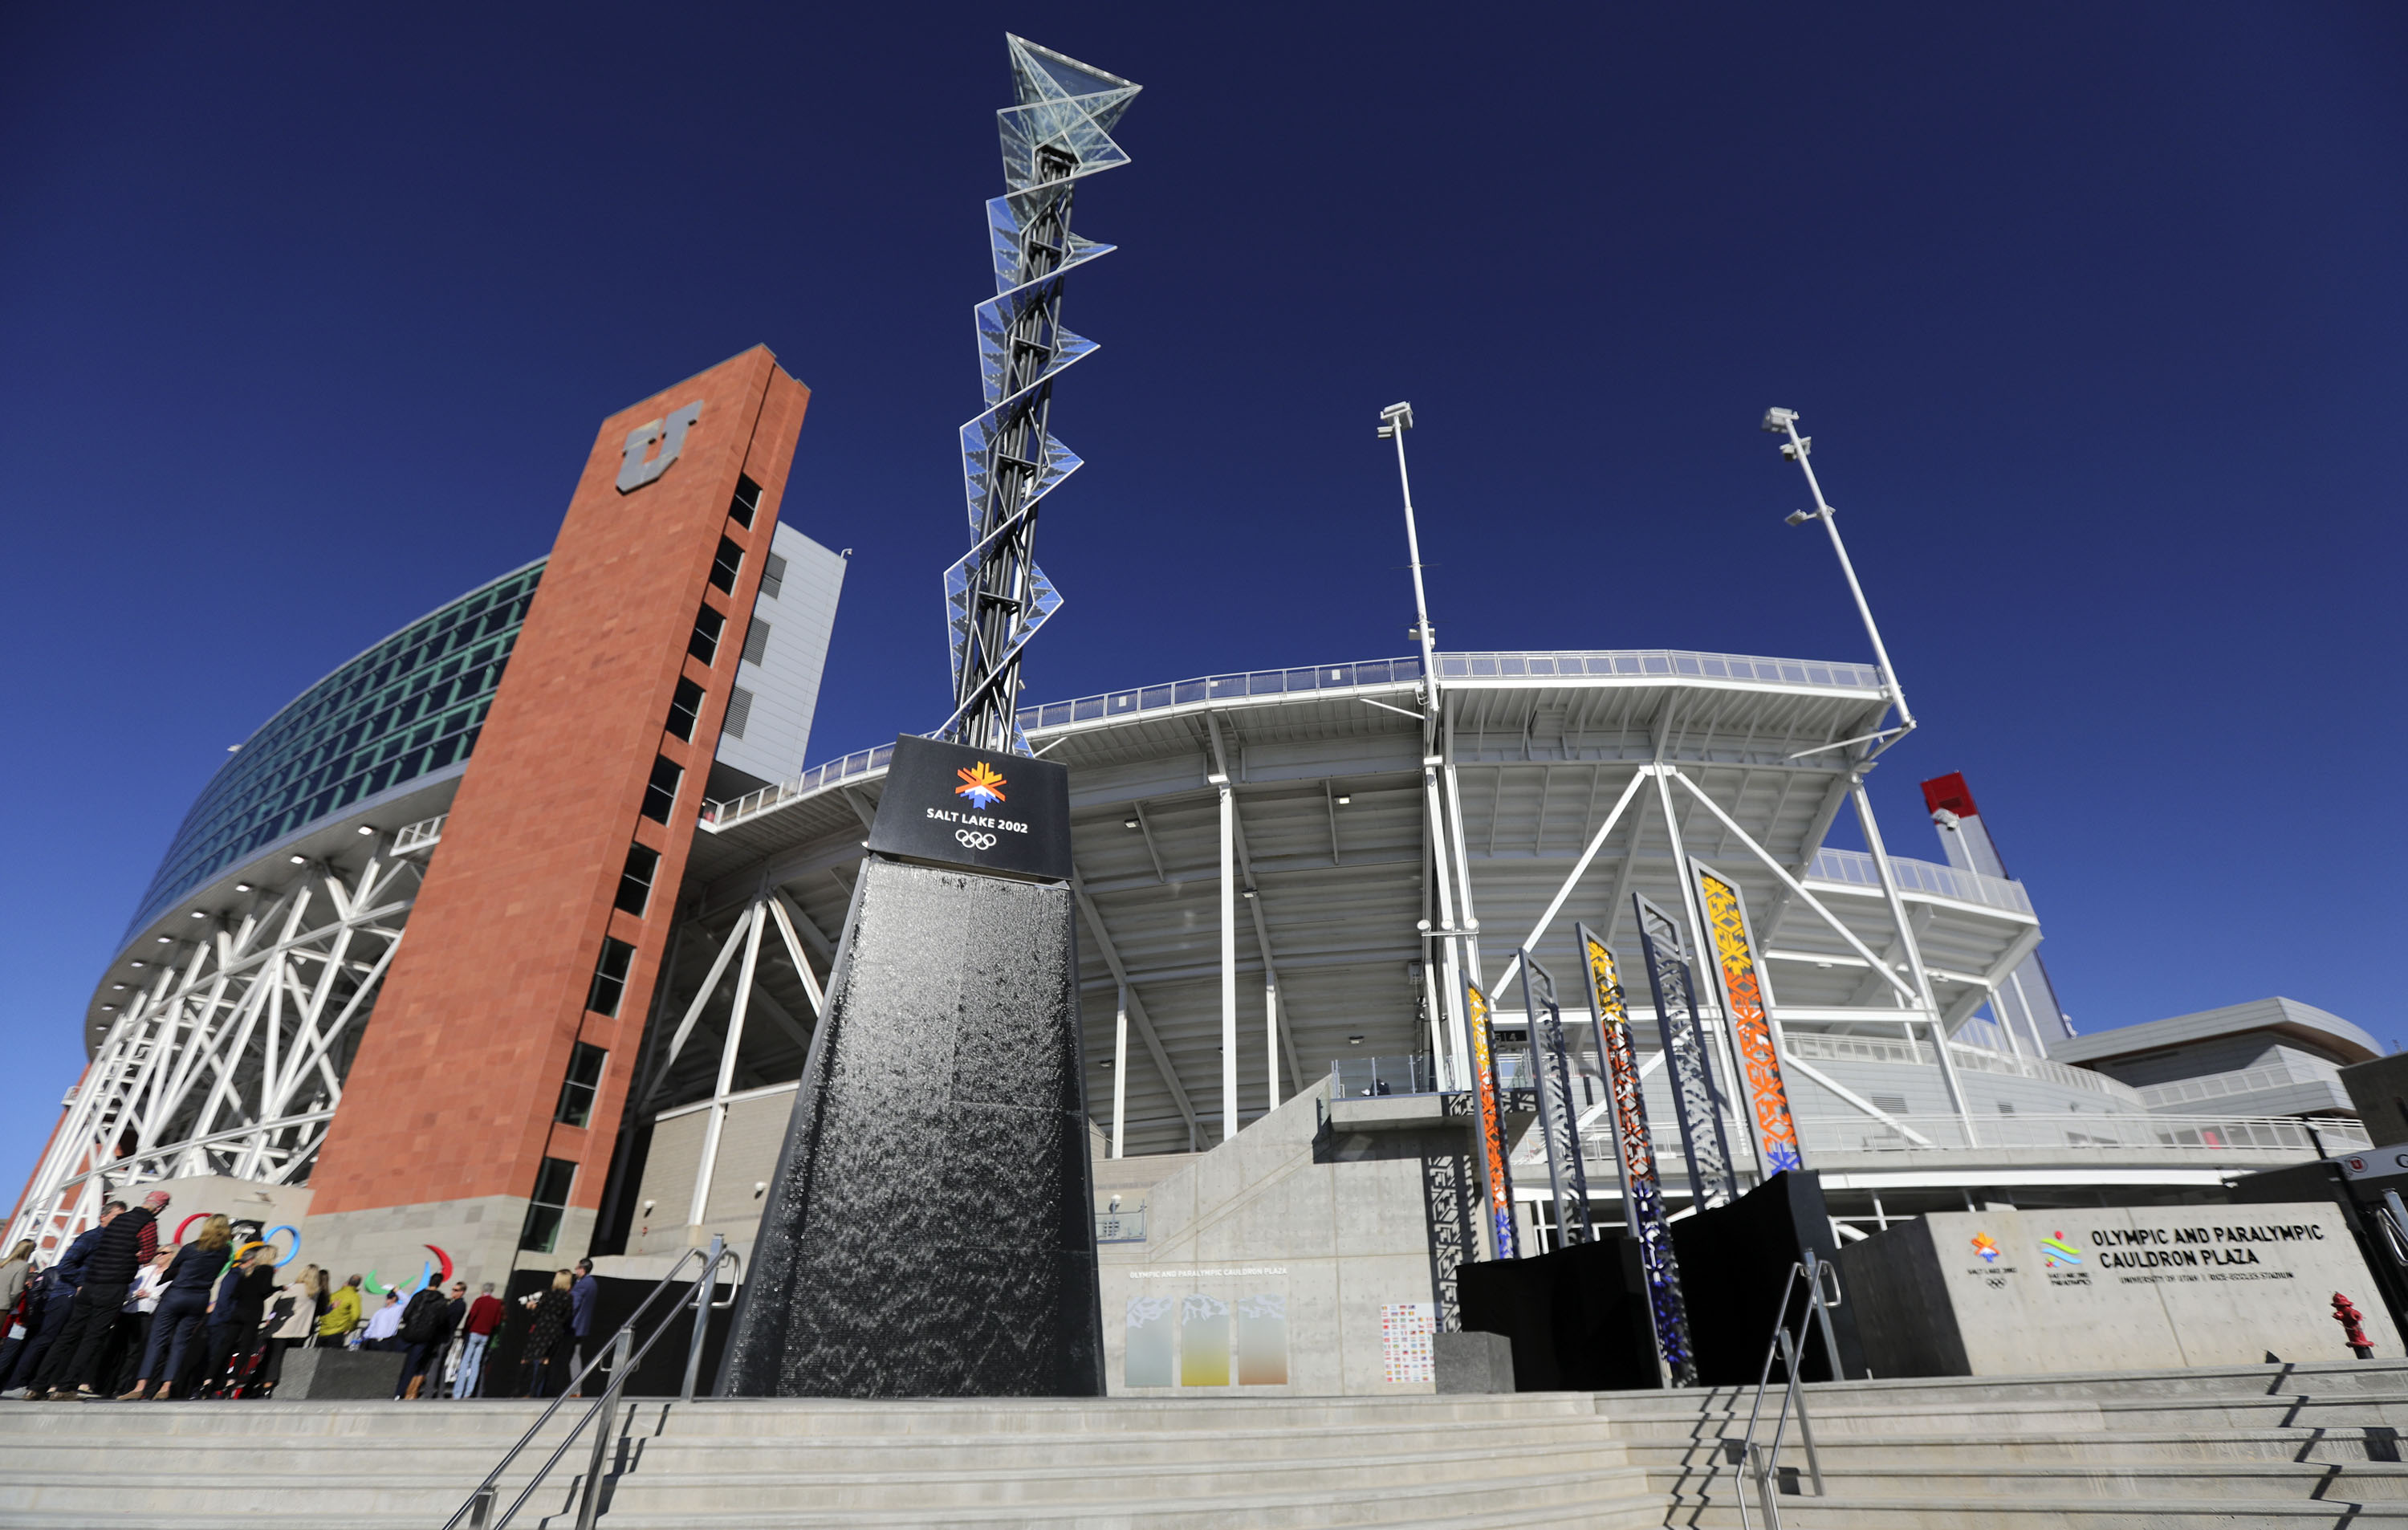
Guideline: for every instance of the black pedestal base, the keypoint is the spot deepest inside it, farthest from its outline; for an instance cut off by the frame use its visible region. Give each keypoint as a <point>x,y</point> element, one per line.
<point>1734,1261</point>
<point>930,1231</point>
<point>1577,1317</point>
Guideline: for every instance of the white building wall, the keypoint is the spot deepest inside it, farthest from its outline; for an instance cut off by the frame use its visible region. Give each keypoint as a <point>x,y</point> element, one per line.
<point>777,683</point>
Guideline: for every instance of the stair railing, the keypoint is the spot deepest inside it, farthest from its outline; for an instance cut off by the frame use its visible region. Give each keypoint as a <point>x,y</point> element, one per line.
<point>1761,1464</point>
<point>622,1357</point>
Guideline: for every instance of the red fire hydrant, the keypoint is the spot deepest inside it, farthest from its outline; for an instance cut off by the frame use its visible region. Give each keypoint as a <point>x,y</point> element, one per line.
<point>2349,1318</point>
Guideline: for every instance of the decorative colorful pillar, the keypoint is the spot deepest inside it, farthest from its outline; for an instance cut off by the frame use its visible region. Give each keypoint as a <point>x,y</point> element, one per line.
<point>1634,1154</point>
<point>1558,1121</point>
<point>1500,1175</point>
<point>1734,966</point>
<point>1687,1059</point>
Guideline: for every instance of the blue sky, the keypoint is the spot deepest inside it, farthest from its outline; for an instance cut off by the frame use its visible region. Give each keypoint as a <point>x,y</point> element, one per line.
<point>2095,313</point>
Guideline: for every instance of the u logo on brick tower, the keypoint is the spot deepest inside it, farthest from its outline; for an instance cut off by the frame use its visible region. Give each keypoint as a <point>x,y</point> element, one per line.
<point>634,470</point>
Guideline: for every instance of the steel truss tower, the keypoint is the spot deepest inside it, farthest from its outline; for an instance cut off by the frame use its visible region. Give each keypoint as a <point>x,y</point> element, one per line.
<point>995,596</point>
<point>230,1058</point>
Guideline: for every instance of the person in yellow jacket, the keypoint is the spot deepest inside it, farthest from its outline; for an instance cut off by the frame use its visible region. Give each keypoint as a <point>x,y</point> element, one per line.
<point>343,1316</point>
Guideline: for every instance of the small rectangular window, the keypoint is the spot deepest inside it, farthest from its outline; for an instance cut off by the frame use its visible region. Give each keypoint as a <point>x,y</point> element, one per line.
<point>729,563</point>
<point>548,1204</point>
<point>740,711</point>
<point>610,976</point>
<point>748,501</point>
<point>685,710</point>
<point>773,576</point>
<point>635,882</point>
<point>660,792</point>
<point>584,1082</point>
<point>757,641</point>
<point>707,626</point>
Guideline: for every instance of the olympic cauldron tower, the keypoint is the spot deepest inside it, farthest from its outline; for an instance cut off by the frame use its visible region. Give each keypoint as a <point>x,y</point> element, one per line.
<point>929,1232</point>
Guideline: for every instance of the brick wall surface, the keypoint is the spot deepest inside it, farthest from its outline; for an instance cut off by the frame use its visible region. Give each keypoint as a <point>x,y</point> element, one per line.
<point>452,1093</point>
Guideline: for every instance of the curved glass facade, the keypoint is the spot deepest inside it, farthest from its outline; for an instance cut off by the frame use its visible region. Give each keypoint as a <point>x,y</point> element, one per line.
<point>410,704</point>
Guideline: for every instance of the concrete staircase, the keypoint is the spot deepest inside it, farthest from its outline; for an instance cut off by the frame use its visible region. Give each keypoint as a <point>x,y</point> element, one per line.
<point>1406,1462</point>
<point>2272,1445</point>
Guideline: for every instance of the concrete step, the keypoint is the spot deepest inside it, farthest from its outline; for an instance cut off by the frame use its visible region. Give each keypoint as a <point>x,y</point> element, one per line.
<point>1610,1511</point>
<point>1619,1499</point>
<point>662,1481</point>
<point>1937,1511</point>
<point>100,1450</point>
<point>663,1475</point>
<point>1607,1500</point>
<point>2135,1447</point>
<point>2188,1382</point>
<point>2294,1481</point>
<point>2322,1380</point>
<point>1535,1460</point>
<point>1836,1412</point>
<point>815,1416</point>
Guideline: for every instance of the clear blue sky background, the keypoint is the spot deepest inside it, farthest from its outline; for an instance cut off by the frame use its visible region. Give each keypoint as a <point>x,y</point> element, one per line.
<point>2097,315</point>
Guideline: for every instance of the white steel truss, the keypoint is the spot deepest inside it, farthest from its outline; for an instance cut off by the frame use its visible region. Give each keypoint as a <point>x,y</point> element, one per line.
<point>230,1061</point>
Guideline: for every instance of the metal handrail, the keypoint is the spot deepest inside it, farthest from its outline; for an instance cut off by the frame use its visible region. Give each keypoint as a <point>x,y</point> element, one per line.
<point>1743,1451</point>
<point>476,1513</point>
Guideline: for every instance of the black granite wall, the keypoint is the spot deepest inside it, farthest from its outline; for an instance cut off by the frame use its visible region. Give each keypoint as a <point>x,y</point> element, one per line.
<point>930,1230</point>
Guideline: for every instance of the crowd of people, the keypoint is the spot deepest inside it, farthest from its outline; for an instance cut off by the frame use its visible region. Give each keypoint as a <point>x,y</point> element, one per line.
<point>120,1315</point>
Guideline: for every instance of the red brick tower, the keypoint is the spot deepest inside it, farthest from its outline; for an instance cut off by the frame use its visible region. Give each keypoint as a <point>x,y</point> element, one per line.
<point>536,941</point>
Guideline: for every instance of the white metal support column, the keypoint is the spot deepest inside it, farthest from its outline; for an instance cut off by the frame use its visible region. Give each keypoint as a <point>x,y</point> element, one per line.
<point>718,1122</point>
<point>1913,953</point>
<point>1228,957</point>
<point>1271,1040</point>
<point>1462,865</point>
<point>1579,867</point>
<point>1457,1021</point>
<point>1701,952</point>
<point>1119,1069</point>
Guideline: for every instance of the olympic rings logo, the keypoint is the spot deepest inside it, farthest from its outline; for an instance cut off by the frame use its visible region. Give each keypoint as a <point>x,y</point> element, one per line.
<point>975,838</point>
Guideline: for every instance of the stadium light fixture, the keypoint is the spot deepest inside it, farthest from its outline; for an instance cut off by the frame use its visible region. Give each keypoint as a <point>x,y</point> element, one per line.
<point>367,829</point>
<point>1343,801</point>
<point>299,860</point>
<point>1797,448</point>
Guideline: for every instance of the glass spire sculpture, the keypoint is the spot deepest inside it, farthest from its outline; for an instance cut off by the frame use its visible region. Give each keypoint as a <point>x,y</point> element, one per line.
<point>995,596</point>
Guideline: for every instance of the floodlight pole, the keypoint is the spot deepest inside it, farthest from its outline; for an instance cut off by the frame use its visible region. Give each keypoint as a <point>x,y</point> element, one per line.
<point>1796,448</point>
<point>1394,420</point>
<point>1780,421</point>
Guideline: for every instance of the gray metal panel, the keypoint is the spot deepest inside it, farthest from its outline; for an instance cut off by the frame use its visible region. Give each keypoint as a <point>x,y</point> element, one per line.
<point>785,684</point>
<point>2350,1043</point>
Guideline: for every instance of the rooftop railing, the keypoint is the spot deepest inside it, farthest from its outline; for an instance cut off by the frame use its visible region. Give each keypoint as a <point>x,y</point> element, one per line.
<point>2124,1136</point>
<point>1520,665</point>
<point>1257,683</point>
<point>2281,1074</point>
<point>1823,1047</point>
<point>1668,661</point>
<point>1856,867</point>
<point>859,763</point>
